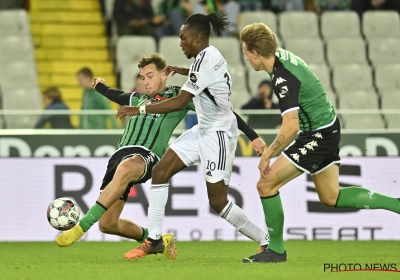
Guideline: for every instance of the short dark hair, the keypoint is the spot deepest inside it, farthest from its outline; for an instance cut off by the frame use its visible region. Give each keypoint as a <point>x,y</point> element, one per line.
<point>155,58</point>
<point>200,23</point>
<point>85,72</point>
<point>53,93</point>
<point>266,83</point>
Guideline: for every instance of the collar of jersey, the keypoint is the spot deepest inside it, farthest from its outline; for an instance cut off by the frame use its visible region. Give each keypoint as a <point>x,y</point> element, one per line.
<point>161,93</point>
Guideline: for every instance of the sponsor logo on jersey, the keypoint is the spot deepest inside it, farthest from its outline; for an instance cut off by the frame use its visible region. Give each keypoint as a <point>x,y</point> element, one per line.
<point>209,173</point>
<point>192,85</point>
<point>193,77</point>
<point>220,63</point>
<point>279,81</point>
<point>284,90</point>
<point>296,157</point>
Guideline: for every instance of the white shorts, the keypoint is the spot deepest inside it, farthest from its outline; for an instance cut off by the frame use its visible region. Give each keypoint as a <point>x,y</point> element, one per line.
<point>215,149</point>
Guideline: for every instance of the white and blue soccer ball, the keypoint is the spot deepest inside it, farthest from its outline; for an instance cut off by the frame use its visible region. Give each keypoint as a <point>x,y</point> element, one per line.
<point>63,213</point>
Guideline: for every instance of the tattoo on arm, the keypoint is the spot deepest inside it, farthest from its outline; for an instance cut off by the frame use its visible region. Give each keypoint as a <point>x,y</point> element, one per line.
<point>278,142</point>
<point>294,115</point>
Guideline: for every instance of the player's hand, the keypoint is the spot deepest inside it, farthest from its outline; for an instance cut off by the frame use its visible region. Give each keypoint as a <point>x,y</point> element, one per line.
<point>127,111</point>
<point>98,80</point>
<point>263,166</point>
<point>156,20</point>
<point>258,146</point>
<point>175,69</point>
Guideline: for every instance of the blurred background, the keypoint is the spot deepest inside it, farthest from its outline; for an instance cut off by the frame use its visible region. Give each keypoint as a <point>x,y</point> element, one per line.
<point>50,50</point>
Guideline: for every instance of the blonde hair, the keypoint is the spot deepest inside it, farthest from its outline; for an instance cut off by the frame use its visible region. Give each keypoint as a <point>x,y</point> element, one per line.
<point>259,37</point>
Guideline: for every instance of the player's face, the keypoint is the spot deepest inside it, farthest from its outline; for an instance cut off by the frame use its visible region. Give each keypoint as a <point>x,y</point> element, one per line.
<point>85,81</point>
<point>152,79</point>
<point>252,58</point>
<point>187,41</point>
<point>265,92</point>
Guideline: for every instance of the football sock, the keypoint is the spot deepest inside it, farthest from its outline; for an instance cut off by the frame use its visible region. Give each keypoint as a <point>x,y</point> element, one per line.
<point>360,198</point>
<point>92,216</point>
<point>144,235</point>
<point>158,200</point>
<point>273,212</point>
<point>236,217</point>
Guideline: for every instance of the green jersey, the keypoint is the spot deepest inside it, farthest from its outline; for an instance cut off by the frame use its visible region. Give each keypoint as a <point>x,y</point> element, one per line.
<point>153,131</point>
<point>297,88</point>
<point>93,101</point>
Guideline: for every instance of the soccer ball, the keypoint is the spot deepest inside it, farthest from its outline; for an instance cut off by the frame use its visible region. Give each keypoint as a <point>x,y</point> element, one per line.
<point>63,213</point>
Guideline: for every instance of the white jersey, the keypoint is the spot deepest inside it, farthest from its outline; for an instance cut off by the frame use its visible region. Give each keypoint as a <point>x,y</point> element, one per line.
<point>210,83</point>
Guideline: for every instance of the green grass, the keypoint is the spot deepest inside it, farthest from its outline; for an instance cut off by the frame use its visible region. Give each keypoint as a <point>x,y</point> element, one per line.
<point>197,260</point>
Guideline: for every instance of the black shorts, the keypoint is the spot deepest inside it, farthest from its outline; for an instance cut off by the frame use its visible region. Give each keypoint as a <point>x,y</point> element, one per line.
<point>148,157</point>
<point>314,151</point>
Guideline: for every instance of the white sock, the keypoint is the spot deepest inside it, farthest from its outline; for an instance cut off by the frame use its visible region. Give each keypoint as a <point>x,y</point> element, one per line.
<point>158,200</point>
<point>236,217</point>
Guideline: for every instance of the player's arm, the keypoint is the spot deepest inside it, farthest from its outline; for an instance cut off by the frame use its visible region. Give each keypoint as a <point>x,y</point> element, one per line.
<point>114,95</point>
<point>257,143</point>
<point>288,130</point>
<point>198,80</point>
<point>288,95</point>
<point>176,103</point>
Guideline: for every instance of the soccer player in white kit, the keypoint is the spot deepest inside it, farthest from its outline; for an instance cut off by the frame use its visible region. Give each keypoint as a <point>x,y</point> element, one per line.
<point>212,142</point>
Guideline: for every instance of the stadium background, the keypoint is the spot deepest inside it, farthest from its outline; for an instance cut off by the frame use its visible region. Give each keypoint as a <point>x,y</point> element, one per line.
<point>357,61</point>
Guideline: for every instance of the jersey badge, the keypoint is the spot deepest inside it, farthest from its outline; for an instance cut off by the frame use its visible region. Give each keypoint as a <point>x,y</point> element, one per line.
<point>284,90</point>
<point>192,85</point>
<point>194,77</point>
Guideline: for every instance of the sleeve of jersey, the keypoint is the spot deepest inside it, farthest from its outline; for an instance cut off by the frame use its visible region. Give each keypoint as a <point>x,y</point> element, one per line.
<point>200,77</point>
<point>288,92</point>
<point>115,95</point>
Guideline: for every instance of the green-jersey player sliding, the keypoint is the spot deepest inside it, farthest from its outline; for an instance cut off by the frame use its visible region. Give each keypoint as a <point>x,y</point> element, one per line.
<point>141,146</point>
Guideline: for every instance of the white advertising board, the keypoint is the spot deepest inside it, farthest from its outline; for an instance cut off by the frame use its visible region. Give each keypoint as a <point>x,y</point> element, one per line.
<point>29,185</point>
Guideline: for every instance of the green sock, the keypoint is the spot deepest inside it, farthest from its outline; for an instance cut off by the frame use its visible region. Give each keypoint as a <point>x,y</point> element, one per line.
<point>144,236</point>
<point>273,212</point>
<point>360,198</point>
<point>92,216</point>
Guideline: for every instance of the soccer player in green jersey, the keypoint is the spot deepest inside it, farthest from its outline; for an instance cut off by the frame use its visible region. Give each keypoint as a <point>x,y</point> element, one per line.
<point>141,146</point>
<point>305,107</point>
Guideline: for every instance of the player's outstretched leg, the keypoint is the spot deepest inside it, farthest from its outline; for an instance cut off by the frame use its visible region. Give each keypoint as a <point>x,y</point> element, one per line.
<point>327,185</point>
<point>129,170</point>
<point>165,245</point>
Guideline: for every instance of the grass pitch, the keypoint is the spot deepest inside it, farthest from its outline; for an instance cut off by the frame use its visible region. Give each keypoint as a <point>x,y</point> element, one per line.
<point>196,260</point>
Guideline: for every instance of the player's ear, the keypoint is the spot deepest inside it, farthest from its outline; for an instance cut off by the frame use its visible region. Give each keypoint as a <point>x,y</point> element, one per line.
<point>255,53</point>
<point>164,76</point>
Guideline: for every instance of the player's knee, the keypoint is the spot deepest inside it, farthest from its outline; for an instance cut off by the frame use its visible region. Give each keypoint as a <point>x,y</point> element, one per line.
<point>266,188</point>
<point>129,171</point>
